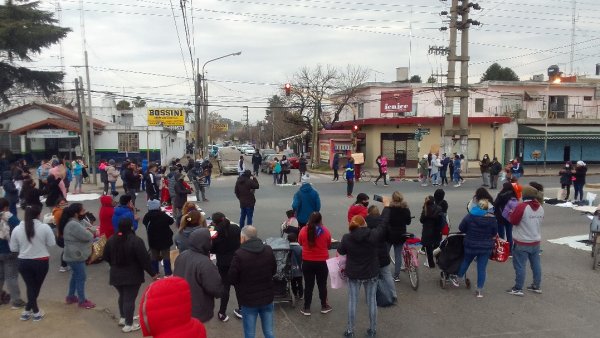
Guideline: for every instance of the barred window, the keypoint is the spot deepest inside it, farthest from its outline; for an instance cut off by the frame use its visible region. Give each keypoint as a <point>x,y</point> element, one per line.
<point>129,142</point>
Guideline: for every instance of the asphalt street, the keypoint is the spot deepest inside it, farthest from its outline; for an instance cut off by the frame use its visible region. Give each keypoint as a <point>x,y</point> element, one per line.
<point>568,306</point>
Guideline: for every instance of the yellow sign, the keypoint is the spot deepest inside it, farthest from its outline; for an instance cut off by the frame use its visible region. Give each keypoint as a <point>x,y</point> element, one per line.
<point>166,117</point>
<point>220,127</point>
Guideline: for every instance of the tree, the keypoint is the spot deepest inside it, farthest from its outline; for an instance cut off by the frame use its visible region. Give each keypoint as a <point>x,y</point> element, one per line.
<point>495,72</point>
<point>326,90</point>
<point>282,122</point>
<point>432,79</point>
<point>123,105</point>
<point>415,79</point>
<point>25,31</point>
<point>139,102</point>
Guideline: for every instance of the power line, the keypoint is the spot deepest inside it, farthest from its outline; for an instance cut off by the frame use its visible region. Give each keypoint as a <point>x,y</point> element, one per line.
<point>179,39</point>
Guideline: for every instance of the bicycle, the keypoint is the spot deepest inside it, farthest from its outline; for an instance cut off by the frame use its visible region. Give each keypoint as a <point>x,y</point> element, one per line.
<point>410,259</point>
<point>365,176</point>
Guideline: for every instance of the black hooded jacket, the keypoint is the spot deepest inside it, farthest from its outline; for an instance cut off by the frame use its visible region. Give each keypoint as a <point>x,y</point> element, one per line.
<point>244,190</point>
<point>251,271</point>
<point>226,243</point>
<point>360,248</point>
<point>383,248</point>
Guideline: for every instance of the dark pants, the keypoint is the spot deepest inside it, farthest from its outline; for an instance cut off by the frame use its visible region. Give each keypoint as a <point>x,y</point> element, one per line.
<point>33,272</point>
<point>567,187</point>
<point>315,270</point>
<point>382,175</point>
<point>256,169</point>
<point>443,176</point>
<point>297,288</point>
<point>282,177</point>
<point>62,261</point>
<point>336,175</point>
<point>223,271</point>
<point>246,214</point>
<point>132,192</point>
<point>429,251</point>
<point>493,181</point>
<point>578,186</point>
<point>105,187</point>
<point>127,296</point>
<point>349,187</point>
<point>505,230</point>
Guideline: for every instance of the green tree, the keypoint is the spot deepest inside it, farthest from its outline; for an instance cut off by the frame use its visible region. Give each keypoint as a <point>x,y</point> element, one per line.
<point>139,102</point>
<point>25,31</point>
<point>415,79</point>
<point>431,79</point>
<point>123,105</point>
<point>495,72</point>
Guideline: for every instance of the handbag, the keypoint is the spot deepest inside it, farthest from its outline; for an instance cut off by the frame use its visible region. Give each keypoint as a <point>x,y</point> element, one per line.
<point>501,250</point>
<point>97,250</point>
<point>337,271</point>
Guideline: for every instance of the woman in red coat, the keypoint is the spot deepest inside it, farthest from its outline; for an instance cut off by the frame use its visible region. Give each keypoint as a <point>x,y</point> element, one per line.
<point>107,209</point>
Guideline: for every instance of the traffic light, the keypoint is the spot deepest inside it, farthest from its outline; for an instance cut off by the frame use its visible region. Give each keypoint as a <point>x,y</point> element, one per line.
<point>355,128</point>
<point>288,89</point>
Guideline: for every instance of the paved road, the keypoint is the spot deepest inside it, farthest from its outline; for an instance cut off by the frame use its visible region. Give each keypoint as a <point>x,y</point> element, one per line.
<point>568,307</point>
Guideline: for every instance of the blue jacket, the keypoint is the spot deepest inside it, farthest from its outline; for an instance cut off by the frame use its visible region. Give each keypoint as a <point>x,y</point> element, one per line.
<point>479,232</point>
<point>306,201</point>
<point>349,171</point>
<point>120,212</point>
<point>12,223</point>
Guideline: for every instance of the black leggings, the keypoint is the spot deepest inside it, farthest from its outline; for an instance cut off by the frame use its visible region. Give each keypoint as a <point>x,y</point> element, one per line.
<point>315,270</point>
<point>568,188</point>
<point>33,272</point>
<point>429,252</point>
<point>384,178</point>
<point>127,296</point>
<point>349,187</point>
<point>336,175</point>
<point>224,272</point>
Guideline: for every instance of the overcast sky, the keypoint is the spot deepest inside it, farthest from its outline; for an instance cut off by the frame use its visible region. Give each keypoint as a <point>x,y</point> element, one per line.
<point>129,40</point>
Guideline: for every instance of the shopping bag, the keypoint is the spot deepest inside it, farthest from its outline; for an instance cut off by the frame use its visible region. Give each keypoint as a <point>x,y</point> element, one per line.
<point>561,195</point>
<point>97,250</point>
<point>173,256</point>
<point>501,250</point>
<point>337,271</point>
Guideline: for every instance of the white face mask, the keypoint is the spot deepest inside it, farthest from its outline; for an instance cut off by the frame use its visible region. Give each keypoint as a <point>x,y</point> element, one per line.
<point>6,215</point>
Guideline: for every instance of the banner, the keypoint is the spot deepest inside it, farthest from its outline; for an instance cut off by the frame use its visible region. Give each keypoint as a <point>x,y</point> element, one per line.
<point>171,118</point>
<point>324,151</point>
<point>219,127</point>
<point>398,101</point>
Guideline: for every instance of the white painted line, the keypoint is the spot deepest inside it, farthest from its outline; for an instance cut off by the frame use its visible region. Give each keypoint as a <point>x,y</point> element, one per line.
<point>82,197</point>
<point>573,242</point>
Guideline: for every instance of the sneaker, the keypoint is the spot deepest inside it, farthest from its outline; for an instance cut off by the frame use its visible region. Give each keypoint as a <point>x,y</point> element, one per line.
<point>238,313</point>
<point>71,300</point>
<point>457,185</point>
<point>454,280</point>
<point>26,315</point>
<point>305,312</point>
<point>371,333</point>
<point>223,317</point>
<point>478,294</point>
<point>426,264</point>
<point>64,269</point>
<point>121,321</point>
<point>515,292</point>
<point>422,251</point>
<point>348,333</point>
<point>18,304</point>
<point>375,183</point>
<point>205,200</point>
<point>326,308</point>
<point>385,185</point>
<point>130,328</point>
<point>38,316</point>
<point>396,278</point>
<point>87,304</point>
<point>534,288</point>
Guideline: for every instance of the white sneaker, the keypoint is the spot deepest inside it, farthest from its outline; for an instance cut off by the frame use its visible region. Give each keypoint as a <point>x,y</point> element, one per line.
<point>121,321</point>
<point>128,328</point>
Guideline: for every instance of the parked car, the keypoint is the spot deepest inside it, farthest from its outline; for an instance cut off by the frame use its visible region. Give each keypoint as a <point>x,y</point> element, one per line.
<point>265,152</point>
<point>292,158</point>
<point>249,151</point>
<point>267,163</point>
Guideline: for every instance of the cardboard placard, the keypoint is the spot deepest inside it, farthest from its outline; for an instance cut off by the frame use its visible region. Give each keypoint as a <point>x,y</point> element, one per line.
<point>359,158</point>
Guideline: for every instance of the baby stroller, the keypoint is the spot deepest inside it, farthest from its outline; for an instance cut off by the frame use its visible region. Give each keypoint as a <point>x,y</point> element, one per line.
<point>282,279</point>
<point>449,257</point>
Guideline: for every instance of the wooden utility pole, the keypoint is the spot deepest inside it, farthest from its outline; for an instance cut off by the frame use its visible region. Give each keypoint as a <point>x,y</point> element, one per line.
<point>85,154</point>
<point>450,83</point>
<point>92,159</point>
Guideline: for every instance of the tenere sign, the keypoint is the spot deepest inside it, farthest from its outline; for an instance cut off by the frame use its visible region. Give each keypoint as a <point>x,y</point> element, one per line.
<point>398,101</point>
<point>166,117</point>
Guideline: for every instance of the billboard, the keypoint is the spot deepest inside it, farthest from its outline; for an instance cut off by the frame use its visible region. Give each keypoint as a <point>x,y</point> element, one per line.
<point>397,101</point>
<point>222,127</point>
<point>171,118</point>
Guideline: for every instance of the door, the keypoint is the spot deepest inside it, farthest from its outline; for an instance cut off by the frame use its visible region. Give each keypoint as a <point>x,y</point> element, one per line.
<point>567,154</point>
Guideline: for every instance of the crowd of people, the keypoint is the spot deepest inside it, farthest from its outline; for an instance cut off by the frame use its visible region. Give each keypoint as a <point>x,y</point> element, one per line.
<point>242,259</point>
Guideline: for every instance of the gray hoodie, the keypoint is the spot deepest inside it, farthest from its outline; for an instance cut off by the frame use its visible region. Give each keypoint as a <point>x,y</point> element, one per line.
<point>195,267</point>
<point>78,242</point>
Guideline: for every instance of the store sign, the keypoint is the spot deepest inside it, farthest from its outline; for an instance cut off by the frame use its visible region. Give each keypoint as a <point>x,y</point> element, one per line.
<point>398,101</point>
<point>171,118</point>
<point>51,133</point>
<point>222,127</point>
<point>324,151</point>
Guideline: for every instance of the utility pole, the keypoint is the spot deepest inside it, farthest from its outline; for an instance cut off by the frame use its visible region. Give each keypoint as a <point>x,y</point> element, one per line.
<point>450,82</point>
<point>197,100</point>
<point>464,81</point>
<point>80,115</point>
<point>247,124</point>
<point>314,154</point>
<point>92,158</point>
<point>205,113</point>
<point>573,21</point>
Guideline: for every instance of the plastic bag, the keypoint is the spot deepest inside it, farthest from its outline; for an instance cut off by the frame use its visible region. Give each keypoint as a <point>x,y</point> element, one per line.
<point>337,272</point>
<point>501,250</point>
<point>590,197</point>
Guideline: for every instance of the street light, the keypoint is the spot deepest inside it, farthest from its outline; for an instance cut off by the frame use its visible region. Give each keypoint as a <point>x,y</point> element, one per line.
<point>205,98</point>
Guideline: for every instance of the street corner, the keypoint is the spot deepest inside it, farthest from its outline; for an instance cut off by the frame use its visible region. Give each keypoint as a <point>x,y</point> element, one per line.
<point>60,320</point>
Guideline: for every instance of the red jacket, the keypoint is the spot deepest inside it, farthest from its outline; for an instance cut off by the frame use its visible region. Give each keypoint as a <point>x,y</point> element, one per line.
<point>320,251</point>
<point>106,213</point>
<point>357,209</point>
<point>166,310</point>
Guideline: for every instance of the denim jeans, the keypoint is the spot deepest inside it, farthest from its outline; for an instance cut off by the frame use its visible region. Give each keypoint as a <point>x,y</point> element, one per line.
<point>578,190</point>
<point>78,181</point>
<point>443,176</point>
<point>249,315</point>
<point>370,292</point>
<point>456,176</point>
<point>482,261</point>
<point>522,253</point>
<point>434,178</point>
<point>246,213</point>
<point>113,186</point>
<point>9,274</point>
<point>275,176</point>
<point>385,273</point>
<point>77,283</point>
<point>399,262</point>
<point>505,230</point>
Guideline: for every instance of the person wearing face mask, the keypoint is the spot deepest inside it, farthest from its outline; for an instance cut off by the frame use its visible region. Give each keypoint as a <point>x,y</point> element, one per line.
<point>78,247</point>
<point>484,166</point>
<point>566,179</point>
<point>359,207</point>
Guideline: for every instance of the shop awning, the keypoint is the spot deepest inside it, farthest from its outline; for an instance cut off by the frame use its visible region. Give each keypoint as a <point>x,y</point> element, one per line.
<point>559,132</point>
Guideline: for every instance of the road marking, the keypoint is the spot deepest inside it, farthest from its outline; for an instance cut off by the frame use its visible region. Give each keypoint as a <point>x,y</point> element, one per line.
<point>573,242</point>
<point>82,197</point>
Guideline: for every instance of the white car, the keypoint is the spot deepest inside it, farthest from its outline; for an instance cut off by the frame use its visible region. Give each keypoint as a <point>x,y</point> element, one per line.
<point>249,151</point>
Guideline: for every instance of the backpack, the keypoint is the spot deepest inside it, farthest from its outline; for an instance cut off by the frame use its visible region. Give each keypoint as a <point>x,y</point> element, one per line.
<point>509,208</point>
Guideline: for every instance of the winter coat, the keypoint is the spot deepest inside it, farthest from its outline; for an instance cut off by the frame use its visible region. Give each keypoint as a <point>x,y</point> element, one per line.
<point>158,228</point>
<point>226,242</point>
<point>122,211</point>
<point>53,191</point>
<point>432,227</point>
<point>484,165</point>
<point>132,179</point>
<point>580,172</point>
<point>182,239</point>
<point>566,175</point>
<point>360,248</point>
<point>383,248</point>
<point>302,164</point>
<point>335,164</point>
<point>202,275</point>
<point>495,168</point>
<point>10,190</point>
<point>251,272</point>
<point>135,261</point>
<point>479,232</point>
<point>357,209</point>
<point>106,213</point>
<point>166,310</point>
<point>306,201</point>
<point>349,171</point>
<point>12,223</point>
<point>32,197</point>
<point>320,251</point>
<point>256,160</point>
<point>396,219</point>
<point>244,191</point>
<point>112,173</point>
<point>180,196</point>
<point>501,201</point>
<point>152,189</point>
<point>423,167</point>
<point>78,242</point>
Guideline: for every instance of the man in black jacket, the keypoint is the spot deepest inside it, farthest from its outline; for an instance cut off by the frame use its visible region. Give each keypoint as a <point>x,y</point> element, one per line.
<point>133,180</point>
<point>251,272</point>
<point>256,161</point>
<point>152,189</point>
<point>244,191</point>
<point>197,176</point>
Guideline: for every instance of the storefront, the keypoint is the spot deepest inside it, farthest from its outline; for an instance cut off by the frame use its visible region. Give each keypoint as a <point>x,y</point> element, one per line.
<point>339,142</point>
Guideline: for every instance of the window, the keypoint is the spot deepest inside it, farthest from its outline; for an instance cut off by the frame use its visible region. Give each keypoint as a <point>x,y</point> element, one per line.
<point>361,110</point>
<point>129,142</point>
<point>472,149</point>
<point>587,98</point>
<point>511,105</point>
<point>479,105</point>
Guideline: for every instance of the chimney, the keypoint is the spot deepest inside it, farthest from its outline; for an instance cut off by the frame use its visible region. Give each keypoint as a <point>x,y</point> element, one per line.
<point>402,74</point>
